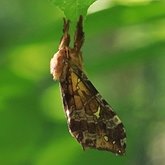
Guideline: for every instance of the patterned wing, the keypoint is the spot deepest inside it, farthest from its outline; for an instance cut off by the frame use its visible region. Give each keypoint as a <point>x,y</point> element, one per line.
<point>90,119</point>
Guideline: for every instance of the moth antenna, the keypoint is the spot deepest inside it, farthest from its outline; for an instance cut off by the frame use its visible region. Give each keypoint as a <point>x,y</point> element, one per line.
<point>79,35</point>
<point>65,40</point>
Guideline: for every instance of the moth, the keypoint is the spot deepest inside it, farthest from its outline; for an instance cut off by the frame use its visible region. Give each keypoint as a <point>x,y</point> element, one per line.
<point>90,118</point>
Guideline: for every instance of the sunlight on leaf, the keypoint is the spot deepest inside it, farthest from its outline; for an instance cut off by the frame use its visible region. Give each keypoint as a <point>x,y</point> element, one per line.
<point>99,5</point>
<point>132,2</point>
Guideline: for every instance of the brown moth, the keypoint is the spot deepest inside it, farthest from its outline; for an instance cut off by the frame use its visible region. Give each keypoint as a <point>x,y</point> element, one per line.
<point>90,118</point>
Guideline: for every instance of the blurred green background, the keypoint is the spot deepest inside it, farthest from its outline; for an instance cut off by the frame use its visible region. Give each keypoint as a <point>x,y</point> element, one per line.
<point>124,57</point>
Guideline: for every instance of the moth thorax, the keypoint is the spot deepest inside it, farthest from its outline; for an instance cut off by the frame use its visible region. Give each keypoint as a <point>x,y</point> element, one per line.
<point>76,58</point>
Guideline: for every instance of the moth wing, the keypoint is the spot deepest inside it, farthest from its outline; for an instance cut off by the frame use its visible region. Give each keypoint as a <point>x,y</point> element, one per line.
<point>90,119</point>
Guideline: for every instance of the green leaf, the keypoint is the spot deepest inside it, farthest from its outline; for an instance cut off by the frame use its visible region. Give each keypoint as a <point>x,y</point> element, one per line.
<point>74,8</point>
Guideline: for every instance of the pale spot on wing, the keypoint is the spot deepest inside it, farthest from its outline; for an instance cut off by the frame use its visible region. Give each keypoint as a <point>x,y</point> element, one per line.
<point>116,120</point>
<point>123,141</point>
<point>106,138</point>
<point>97,113</point>
<point>68,113</point>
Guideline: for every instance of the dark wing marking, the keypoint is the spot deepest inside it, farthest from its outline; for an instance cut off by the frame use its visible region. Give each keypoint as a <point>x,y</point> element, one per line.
<point>91,120</point>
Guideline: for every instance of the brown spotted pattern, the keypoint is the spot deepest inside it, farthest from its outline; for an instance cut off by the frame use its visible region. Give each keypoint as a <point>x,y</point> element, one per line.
<point>90,119</point>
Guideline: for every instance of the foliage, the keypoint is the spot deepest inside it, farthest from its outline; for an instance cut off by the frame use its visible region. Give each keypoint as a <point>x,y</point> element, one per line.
<point>123,57</point>
<point>73,8</point>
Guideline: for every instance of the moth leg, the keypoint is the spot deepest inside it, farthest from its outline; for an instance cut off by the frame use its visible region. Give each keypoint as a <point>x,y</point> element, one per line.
<point>79,35</point>
<point>65,40</point>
